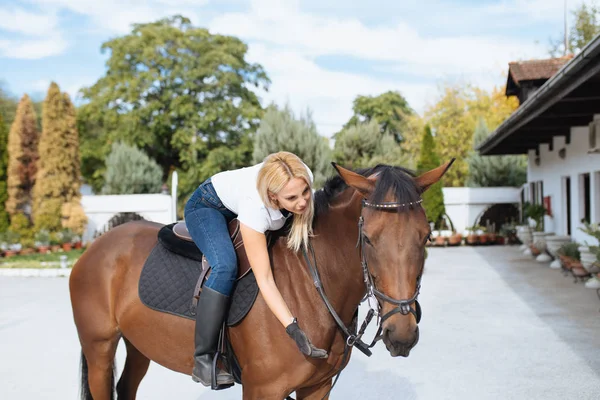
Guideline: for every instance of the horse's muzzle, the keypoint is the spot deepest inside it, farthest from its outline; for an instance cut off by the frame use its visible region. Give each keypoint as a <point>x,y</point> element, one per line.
<point>399,346</point>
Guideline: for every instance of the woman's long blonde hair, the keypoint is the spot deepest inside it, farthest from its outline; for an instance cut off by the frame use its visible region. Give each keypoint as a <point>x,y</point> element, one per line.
<point>278,169</point>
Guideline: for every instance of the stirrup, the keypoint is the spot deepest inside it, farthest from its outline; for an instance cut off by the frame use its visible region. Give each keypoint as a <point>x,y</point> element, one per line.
<point>213,380</point>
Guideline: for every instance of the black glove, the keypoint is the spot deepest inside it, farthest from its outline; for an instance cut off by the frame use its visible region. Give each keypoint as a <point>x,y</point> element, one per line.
<point>303,343</point>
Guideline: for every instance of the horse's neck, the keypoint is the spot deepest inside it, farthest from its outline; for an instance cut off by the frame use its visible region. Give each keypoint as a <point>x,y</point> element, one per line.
<point>335,246</point>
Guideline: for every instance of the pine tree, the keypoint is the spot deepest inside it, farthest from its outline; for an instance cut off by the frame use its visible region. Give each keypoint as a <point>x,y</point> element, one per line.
<point>22,158</point>
<point>433,198</point>
<point>130,170</point>
<point>4,221</point>
<point>56,196</point>
<point>280,131</point>
<point>494,171</point>
<point>363,145</point>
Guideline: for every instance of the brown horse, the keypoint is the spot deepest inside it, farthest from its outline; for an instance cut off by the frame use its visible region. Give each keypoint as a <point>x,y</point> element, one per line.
<point>379,206</point>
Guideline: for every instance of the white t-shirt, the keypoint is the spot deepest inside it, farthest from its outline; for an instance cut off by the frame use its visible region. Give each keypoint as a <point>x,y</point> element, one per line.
<point>237,190</point>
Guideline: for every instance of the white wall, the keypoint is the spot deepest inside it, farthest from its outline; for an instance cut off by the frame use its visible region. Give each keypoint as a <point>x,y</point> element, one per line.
<point>552,169</point>
<point>100,209</point>
<point>464,205</point>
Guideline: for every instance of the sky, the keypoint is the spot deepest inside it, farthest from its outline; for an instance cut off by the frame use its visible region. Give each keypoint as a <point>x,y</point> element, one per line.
<point>319,54</point>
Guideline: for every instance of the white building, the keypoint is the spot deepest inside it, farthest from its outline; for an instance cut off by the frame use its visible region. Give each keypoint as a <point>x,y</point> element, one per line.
<point>558,126</point>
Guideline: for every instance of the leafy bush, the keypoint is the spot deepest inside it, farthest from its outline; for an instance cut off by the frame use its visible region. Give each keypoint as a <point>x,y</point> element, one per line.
<point>129,170</point>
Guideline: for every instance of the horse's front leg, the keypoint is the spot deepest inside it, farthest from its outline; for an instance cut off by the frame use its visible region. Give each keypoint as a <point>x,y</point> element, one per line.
<point>317,392</point>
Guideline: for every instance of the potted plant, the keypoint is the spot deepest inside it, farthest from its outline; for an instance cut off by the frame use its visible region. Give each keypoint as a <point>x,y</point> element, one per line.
<point>455,239</point>
<point>588,252</point>
<point>12,240</point>
<point>536,212</point>
<point>66,237</point>
<point>55,242</point>
<point>42,240</point>
<point>77,244</point>
<point>569,255</point>
<point>472,236</point>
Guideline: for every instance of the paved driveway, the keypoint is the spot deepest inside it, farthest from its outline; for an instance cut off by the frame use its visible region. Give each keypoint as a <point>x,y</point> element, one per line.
<point>496,325</point>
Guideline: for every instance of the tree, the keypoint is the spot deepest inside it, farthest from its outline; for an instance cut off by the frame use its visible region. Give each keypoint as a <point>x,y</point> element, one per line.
<point>279,130</point>
<point>389,109</point>
<point>4,221</point>
<point>129,170</point>
<point>22,158</point>
<point>585,26</point>
<point>362,145</point>
<point>174,91</point>
<point>491,171</point>
<point>433,198</point>
<point>453,119</point>
<point>56,194</point>
<point>8,105</point>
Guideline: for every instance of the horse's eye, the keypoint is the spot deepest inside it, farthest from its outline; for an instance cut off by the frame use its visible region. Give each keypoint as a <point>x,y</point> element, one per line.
<point>367,241</point>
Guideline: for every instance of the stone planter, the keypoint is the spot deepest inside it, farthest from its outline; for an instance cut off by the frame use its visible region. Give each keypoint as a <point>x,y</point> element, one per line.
<point>553,243</point>
<point>539,242</point>
<point>524,236</point>
<point>594,268</point>
<point>587,257</point>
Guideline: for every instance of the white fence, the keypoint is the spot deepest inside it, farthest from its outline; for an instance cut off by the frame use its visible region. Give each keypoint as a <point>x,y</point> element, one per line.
<point>100,209</point>
<point>464,205</point>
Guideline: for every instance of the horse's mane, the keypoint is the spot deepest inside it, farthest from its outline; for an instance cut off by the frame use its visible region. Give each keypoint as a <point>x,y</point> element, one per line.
<point>398,180</point>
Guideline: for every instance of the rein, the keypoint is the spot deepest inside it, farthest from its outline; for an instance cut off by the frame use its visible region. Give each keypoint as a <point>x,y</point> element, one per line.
<point>402,306</point>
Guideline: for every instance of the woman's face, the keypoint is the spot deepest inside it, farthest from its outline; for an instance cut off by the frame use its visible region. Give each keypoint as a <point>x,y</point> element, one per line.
<point>294,197</point>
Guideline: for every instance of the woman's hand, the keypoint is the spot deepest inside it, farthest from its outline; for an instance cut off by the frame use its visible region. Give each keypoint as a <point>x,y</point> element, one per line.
<point>303,343</point>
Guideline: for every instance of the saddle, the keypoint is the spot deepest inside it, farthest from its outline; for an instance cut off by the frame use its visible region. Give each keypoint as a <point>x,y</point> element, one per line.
<point>180,231</point>
<point>175,265</point>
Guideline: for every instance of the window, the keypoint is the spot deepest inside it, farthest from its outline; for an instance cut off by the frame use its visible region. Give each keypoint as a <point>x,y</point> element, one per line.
<point>567,204</point>
<point>596,197</point>
<point>584,198</point>
<point>536,192</point>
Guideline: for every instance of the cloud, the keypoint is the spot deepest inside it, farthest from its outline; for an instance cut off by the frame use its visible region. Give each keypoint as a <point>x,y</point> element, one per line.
<point>34,35</point>
<point>303,84</point>
<point>117,16</point>
<point>396,46</point>
<point>287,41</point>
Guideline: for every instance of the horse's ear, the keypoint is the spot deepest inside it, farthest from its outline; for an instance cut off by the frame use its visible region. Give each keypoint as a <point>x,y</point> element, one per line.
<point>430,177</point>
<point>365,186</point>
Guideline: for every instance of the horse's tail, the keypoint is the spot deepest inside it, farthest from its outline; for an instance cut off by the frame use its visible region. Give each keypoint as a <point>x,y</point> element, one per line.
<point>85,392</point>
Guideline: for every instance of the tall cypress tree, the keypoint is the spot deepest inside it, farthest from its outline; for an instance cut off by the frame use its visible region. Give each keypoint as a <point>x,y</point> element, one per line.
<point>433,198</point>
<point>4,222</point>
<point>22,158</point>
<point>73,216</point>
<point>56,193</point>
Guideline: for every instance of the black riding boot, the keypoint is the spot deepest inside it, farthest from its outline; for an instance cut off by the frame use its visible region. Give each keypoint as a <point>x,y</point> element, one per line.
<point>210,313</point>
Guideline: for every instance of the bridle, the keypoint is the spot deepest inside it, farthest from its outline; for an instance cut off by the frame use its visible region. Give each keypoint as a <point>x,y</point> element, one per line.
<point>404,306</point>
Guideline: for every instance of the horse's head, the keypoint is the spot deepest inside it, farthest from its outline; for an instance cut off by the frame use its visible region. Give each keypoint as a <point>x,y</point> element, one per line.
<point>394,230</point>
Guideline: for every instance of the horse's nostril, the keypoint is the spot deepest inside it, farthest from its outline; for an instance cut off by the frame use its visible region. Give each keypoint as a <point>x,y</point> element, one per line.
<point>390,329</point>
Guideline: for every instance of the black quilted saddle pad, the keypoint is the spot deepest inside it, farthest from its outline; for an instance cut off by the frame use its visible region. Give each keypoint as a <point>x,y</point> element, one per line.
<point>168,280</point>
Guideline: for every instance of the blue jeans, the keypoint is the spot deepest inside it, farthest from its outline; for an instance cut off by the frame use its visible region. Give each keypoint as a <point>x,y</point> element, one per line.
<point>207,221</point>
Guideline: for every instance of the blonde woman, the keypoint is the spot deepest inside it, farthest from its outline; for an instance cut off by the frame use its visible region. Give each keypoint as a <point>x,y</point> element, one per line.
<point>262,197</point>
